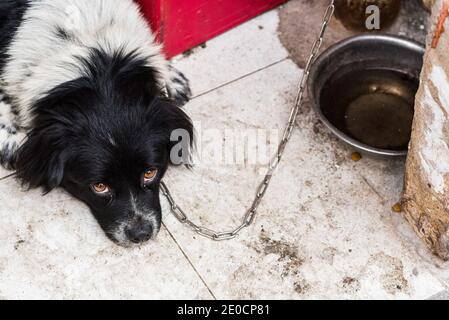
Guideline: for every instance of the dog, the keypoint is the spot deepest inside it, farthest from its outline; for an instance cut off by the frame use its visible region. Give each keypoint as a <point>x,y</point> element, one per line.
<point>88,103</point>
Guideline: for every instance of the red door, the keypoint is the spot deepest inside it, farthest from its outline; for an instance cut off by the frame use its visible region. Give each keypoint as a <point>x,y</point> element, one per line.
<point>183,24</point>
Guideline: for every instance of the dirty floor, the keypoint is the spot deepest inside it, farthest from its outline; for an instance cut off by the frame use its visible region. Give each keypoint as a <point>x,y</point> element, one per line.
<point>324,230</point>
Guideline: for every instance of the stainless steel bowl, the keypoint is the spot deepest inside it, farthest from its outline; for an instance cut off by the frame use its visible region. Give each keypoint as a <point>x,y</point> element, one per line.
<point>363,89</point>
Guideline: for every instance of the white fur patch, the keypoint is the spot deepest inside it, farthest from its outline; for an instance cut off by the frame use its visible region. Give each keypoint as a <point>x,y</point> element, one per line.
<point>10,137</point>
<point>178,86</point>
<point>41,60</point>
<point>145,214</point>
<point>118,233</point>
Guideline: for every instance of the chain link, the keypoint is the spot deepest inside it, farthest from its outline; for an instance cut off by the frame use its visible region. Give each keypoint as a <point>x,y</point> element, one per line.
<point>274,163</point>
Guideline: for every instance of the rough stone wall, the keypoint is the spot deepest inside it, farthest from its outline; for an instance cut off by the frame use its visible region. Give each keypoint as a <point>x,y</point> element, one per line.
<point>426,193</point>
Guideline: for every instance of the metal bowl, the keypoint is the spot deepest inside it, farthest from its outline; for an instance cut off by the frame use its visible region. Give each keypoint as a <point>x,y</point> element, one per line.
<point>363,89</point>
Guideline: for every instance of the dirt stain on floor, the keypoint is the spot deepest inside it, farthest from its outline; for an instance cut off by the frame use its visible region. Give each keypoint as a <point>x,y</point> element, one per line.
<point>350,285</point>
<point>298,21</point>
<point>301,287</point>
<point>287,253</point>
<point>393,279</point>
<point>18,244</point>
<point>239,286</point>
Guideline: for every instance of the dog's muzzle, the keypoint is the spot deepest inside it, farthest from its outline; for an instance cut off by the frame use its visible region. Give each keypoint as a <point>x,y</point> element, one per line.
<point>139,232</point>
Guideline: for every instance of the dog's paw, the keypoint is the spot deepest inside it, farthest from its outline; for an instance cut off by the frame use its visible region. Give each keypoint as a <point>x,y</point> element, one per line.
<point>10,141</point>
<point>178,87</point>
<point>10,137</point>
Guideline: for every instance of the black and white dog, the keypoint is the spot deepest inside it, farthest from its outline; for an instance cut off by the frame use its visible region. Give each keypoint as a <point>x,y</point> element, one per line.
<point>88,103</point>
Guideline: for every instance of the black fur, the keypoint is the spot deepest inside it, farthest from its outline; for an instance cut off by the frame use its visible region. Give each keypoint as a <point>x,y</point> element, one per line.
<point>63,34</point>
<point>11,13</point>
<point>108,126</point>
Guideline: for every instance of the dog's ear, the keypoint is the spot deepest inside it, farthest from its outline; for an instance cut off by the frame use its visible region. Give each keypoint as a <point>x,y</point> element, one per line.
<point>177,128</point>
<point>42,158</point>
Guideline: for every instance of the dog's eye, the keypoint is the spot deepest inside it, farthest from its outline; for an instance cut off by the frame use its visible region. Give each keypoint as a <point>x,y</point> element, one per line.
<point>100,188</point>
<point>149,175</point>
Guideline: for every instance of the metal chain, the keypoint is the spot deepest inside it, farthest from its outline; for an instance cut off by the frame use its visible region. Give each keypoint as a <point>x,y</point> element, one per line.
<point>274,163</point>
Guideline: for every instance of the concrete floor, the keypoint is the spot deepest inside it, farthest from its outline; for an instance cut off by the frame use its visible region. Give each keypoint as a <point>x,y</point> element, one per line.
<point>324,230</point>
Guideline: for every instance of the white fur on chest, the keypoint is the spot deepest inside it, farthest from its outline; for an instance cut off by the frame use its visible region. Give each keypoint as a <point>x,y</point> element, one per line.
<point>40,60</point>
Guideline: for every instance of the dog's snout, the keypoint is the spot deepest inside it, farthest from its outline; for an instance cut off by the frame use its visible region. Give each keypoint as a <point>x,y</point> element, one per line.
<point>139,233</point>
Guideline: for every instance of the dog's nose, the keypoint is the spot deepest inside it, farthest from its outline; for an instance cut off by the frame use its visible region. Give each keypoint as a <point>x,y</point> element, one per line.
<point>139,233</point>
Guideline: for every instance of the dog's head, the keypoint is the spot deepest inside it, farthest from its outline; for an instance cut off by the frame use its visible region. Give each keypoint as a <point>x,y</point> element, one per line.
<point>109,147</point>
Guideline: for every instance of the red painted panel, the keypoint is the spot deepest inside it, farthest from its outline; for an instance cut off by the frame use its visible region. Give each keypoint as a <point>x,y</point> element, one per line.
<point>183,24</point>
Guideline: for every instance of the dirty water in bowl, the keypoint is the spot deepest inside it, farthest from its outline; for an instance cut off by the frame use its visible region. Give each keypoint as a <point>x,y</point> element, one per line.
<point>373,106</point>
